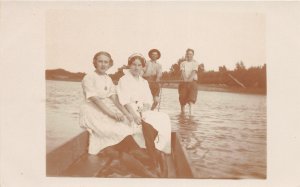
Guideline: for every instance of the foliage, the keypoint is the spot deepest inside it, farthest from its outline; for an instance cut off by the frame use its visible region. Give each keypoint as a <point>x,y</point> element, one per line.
<point>254,77</point>
<point>61,74</point>
<point>117,75</point>
<point>250,77</point>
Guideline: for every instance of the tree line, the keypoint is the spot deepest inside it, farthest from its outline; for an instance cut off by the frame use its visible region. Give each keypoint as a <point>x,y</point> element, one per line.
<point>240,76</point>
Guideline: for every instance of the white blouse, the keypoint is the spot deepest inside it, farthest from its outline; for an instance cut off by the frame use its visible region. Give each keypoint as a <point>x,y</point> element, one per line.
<point>136,93</point>
<point>101,86</point>
<point>152,69</point>
<point>132,90</point>
<point>188,67</point>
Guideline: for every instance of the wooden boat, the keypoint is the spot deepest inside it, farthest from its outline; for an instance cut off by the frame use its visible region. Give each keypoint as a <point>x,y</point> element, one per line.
<point>72,160</point>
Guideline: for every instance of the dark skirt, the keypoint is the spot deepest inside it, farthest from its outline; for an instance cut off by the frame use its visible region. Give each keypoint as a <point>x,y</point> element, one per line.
<point>154,86</point>
<point>188,92</point>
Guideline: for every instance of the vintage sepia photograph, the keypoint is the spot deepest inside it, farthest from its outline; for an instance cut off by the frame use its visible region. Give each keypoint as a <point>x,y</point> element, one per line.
<point>149,93</point>
<point>155,90</point>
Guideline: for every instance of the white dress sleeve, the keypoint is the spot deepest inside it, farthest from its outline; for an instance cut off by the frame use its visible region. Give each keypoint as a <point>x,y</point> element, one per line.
<point>182,65</point>
<point>145,69</point>
<point>112,88</point>
<point>195,66</point>
<point>147,94</point>
<point>159,70</point>
<point>88,87</point>
<point>123,92</point>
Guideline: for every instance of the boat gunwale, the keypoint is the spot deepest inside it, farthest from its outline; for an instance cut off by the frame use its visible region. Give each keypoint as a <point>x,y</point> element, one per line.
<point>61,158</point>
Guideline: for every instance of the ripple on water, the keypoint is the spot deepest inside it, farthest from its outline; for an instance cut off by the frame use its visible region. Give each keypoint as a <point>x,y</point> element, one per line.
<point>224,138</point>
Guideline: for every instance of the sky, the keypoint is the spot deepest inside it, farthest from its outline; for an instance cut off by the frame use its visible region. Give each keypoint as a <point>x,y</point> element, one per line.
<point>218,37</point>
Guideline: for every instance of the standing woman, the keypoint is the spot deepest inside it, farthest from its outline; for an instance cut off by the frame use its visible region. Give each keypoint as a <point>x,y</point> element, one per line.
<point>106,120</point>
<point>188,90</point>
<point>153,73</point>
<point>134,93</point>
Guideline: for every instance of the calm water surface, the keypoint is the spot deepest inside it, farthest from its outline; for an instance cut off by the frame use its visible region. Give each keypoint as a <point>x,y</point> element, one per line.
<point>224,138</point>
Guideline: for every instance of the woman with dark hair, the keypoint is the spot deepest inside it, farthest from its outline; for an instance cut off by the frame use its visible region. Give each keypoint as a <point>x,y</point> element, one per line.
<point>134,93</point>
<point>153,73</point>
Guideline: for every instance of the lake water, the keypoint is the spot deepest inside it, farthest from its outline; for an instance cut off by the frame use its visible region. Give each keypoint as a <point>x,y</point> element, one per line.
<point>224,138</point>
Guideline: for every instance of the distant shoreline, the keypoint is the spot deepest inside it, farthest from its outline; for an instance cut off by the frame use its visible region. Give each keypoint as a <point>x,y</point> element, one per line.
<point>222,88</point>
<point>202,87</point>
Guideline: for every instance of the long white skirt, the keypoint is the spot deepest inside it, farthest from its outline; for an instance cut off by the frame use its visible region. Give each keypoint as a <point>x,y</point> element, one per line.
<point>104,131</point>
<point>161,122</point>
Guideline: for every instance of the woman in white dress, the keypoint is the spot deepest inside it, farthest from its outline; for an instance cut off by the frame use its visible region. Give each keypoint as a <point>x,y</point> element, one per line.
<point>134,93</point>
<point>101,114</point>
<point>106,120</point>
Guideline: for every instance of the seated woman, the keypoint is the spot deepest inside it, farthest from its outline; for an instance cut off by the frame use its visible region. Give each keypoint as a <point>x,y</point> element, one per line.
<point>134,93</point>
<point>106,120</point>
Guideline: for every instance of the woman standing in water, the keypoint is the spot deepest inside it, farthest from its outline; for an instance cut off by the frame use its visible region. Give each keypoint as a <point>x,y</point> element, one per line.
<point>188,89</point>
<point>153,73</point>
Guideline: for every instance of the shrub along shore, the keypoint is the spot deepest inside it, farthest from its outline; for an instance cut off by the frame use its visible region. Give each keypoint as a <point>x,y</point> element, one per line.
<point>250,80</point>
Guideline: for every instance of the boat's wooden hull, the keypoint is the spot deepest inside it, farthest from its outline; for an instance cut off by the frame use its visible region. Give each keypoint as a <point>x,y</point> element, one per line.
<point>71,159</point>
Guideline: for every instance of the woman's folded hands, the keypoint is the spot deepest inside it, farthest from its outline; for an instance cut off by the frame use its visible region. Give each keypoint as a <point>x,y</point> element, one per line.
<point>117,116</point>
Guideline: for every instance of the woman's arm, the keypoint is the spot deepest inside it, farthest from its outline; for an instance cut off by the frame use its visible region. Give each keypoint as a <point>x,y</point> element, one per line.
<point>183,75</point>
<point>90,92</point>
<point>158,73</point>
<point>105,109</point>
<point>124,95</point>
<point>136,118</point>
<point>182,72</point>
<point>145,69</point>
<point>194,71</point>
<point>191,77</point>
<point>147,97</point>
<point>115,100</point>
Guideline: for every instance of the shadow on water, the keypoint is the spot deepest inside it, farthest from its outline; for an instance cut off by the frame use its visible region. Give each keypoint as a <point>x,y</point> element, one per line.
<point>187,122</point>
<point>188,126</point>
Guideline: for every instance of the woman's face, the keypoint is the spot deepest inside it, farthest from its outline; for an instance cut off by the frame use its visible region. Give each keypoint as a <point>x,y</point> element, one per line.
<point>154,56</point>
<point>136,67</point>
<point>189,55</point>
<point>102,64</point>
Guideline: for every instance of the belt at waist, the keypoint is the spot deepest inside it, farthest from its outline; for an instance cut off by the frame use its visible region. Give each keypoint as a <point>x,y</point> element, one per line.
<point>151,78</point>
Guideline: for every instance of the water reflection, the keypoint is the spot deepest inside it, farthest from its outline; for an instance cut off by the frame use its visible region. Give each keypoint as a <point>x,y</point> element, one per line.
<point>187,126</point>
<point>226,135</point>
<point>224,138</point>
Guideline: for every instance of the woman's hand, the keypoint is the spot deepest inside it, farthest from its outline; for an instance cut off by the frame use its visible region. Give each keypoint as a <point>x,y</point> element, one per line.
<point>117,116</point>
<point>137,119</point>
<point>129,117</point>
<point>146,107</point>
